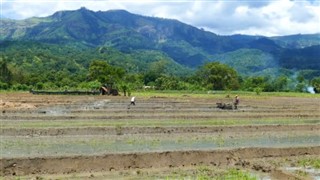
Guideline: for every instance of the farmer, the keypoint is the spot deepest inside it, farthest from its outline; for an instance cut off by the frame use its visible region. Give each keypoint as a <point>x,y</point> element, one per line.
<point>133,101</point>
<point>236,102</point>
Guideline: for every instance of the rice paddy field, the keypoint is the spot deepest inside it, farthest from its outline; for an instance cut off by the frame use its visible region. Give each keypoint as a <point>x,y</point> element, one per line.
<point>166,135</point>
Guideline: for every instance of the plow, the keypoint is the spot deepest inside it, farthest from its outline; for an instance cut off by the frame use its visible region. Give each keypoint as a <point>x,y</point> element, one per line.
<point>224,106</point>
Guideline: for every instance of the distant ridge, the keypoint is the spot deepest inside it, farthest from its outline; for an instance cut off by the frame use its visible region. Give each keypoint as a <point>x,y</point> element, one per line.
<point>187,45</point>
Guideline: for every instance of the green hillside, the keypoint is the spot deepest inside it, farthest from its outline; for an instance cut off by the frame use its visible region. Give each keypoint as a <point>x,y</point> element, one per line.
<point>247,61</point>
<point>61,48</point>
<point>127,32</point>
<point>34,62</point>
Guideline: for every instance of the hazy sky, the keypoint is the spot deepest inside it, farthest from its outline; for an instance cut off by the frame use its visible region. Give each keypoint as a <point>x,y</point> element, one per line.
<point>254,17</point>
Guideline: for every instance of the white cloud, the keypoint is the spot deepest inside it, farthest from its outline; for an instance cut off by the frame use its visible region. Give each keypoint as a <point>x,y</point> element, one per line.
<point>275,17</point>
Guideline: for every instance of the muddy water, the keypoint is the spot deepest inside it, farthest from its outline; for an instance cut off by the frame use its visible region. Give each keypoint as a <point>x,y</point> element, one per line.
<point>21,146</point>
<point>314,173</point>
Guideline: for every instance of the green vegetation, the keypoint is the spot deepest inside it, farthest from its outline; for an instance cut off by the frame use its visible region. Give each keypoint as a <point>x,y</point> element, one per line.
<point>248,61</point>
<point>315,163</point>
<point>41,66</point>
<point>218,76</point>
<point>208,173</point>
<point>153,123</point>
<point>49,67</point>
<point>237,174</point>
<point>80,49</point>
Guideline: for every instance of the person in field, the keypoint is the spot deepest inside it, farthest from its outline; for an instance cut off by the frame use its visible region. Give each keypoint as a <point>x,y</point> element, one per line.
<point>236,102</point>
<point>133,101</point>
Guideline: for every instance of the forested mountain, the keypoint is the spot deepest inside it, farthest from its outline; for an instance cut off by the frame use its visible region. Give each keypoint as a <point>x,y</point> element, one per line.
<point>68,41</point>
<point>298,40</point>
<point>125,31</point>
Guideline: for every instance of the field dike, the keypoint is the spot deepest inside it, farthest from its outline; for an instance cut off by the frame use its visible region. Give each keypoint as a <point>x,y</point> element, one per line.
<point>111,162</point>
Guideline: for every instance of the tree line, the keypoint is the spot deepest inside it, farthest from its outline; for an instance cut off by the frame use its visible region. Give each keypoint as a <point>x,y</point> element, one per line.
<point>210,76</point>
<point>41,66</point>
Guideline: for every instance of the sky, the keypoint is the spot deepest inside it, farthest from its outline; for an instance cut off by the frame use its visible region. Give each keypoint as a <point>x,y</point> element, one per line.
<point>251,17</point>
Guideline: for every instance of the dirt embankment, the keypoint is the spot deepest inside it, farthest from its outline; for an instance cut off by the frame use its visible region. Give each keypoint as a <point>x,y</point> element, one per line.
<point>110,162</point>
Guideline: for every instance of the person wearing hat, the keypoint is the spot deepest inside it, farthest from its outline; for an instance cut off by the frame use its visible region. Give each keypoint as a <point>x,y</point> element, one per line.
<point>236,102</point>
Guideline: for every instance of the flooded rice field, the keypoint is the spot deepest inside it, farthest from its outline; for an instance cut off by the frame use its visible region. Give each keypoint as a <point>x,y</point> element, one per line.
<point>38,146</point>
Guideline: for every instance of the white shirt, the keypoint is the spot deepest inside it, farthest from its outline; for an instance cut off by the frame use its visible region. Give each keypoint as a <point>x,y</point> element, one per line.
<point>132,99</point>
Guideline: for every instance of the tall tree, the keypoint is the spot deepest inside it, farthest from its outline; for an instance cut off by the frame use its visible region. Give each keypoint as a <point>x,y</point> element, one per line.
<point>218,76</point>
<point>315,82</point>
<point>105,73</point>
<point>5,73</point>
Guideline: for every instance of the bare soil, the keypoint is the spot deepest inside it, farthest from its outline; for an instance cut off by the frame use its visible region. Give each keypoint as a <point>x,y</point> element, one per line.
<point>111,162</point>
<point>26,118</point>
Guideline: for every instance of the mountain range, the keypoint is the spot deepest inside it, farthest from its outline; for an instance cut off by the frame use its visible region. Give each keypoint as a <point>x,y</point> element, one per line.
<point>181,44</point>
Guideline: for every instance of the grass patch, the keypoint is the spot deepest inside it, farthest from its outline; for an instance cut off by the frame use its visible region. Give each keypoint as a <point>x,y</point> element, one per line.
<point>239,175</point>
<point>210,173</point>
<point>151,123</point>
<point>315,163</point>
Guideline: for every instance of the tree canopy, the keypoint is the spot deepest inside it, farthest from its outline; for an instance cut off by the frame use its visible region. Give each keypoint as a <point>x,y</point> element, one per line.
<point>217,76</point>
<point>31,65</point>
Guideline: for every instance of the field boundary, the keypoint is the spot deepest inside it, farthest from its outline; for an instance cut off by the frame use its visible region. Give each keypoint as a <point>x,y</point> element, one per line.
<point>112,162</point>
<point>119,130</point>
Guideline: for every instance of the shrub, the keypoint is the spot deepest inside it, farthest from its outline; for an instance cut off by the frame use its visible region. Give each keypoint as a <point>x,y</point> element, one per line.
<point>258,90</point>
<point>20,87</point>
<point>4,86</point>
